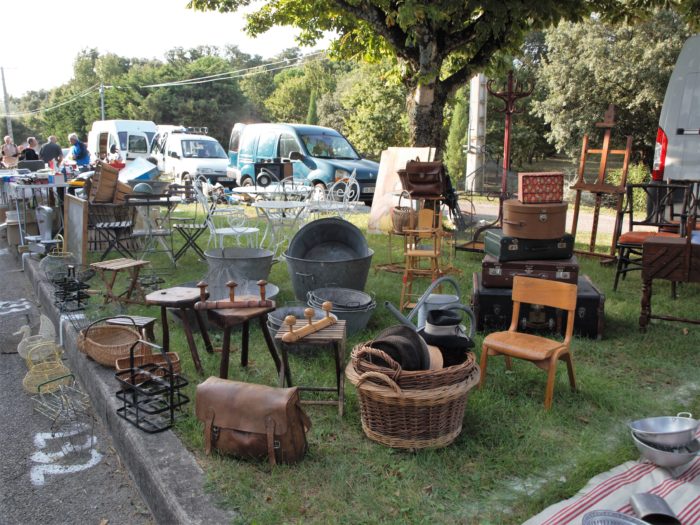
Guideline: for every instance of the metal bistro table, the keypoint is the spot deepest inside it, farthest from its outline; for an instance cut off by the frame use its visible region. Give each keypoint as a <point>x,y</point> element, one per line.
<point>281,217</point>
<point>275,191</point>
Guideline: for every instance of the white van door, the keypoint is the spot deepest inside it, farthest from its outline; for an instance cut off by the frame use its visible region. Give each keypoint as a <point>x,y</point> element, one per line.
<point>133,144</point>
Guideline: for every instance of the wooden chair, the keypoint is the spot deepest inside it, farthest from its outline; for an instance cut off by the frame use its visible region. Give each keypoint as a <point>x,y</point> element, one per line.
<point>541,351</point>
<point>667,209</point>
<point>422,252</point>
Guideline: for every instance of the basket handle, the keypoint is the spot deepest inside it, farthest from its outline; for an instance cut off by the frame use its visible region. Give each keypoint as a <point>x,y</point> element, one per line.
<point>30,361</point>
<point>369,350</point>
<point>38,388</point>
<point>104,319</point>
<point>381,377</point>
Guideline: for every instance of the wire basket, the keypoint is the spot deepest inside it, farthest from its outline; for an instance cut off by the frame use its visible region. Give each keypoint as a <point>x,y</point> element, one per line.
<point>51,373</point>
<point>410,419</point>
<point>30,342</point>
<point>106,343</point>
<point>39,351</point>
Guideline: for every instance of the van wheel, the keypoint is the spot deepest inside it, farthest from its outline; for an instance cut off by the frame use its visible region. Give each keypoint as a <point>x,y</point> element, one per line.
<point>247,182</point>
<point>186,179</point>
<point>319,192</point>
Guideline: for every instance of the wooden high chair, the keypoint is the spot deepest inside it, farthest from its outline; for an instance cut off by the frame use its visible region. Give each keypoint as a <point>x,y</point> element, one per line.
<point>541,351</point>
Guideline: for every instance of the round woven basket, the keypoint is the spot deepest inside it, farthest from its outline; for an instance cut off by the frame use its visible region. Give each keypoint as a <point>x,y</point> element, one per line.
<point>410,379</point>
<point>107,343</point>
<point>410,419</point>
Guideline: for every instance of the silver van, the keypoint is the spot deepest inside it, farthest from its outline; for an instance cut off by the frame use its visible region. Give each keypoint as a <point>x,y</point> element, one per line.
<point>677,151</point>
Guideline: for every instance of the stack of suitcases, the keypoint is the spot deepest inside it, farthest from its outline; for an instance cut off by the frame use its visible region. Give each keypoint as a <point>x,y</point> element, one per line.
<point>533,242</point>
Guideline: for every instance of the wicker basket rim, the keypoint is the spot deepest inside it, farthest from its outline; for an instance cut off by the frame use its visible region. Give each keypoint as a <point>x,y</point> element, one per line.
<point>412,374</point>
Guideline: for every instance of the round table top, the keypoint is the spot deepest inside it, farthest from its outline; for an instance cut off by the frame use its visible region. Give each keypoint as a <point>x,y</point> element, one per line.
<point>279,205</point>
<point>176,296</point>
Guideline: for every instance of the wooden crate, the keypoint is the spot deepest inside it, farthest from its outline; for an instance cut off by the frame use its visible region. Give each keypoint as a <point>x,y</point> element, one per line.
<point>104,183</point>
<point>120,193</point>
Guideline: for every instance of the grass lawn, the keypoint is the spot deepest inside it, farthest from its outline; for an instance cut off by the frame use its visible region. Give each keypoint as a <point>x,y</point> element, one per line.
<point>512,459</point>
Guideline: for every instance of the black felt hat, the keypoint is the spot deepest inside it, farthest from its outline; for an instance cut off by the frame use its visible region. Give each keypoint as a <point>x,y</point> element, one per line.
<point>442,329</point>
<point>404,346</point>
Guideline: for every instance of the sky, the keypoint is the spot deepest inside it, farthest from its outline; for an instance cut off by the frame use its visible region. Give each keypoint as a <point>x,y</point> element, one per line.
<point>46,36</point>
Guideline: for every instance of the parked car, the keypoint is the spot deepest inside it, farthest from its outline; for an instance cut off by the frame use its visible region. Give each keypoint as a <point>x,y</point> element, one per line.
<point>185,156</point>
<point>677,152</point>
<point>313,155</point>
<point>132,137</point>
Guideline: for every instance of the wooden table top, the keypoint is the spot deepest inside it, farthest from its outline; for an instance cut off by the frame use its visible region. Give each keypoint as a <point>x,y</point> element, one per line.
<point>329,334</point>
<point>176,296</point>
<point>119,264</point>
<point>233,316</point>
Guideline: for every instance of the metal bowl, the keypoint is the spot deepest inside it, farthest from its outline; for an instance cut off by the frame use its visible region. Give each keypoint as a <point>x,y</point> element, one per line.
<point>609,517</point>
<point>668,458</point>
<point>666,431</point>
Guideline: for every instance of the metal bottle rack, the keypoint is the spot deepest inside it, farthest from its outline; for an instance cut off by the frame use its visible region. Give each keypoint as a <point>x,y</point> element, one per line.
<point>150,393</point>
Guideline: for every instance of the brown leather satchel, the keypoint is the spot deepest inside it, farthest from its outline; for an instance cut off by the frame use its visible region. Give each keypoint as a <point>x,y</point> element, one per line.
<point>423,179</point>
<point>252,421</point>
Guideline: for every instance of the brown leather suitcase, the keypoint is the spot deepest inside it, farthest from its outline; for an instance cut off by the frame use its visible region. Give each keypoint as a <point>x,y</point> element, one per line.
<point>496,274</point>
<point>534,221</point>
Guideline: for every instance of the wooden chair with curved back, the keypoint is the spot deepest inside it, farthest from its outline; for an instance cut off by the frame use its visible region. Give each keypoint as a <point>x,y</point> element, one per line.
<point>541,351</point>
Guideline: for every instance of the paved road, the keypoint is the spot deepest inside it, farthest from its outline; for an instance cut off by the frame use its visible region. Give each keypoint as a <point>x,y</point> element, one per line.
<point>53,478</point>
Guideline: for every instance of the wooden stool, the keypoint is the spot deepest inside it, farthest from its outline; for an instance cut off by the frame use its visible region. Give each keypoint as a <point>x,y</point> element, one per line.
<point>226,319</point>
<point>133,267</point>
<point>334,336</point>
<point>183,299</point>
<point>143,324</point>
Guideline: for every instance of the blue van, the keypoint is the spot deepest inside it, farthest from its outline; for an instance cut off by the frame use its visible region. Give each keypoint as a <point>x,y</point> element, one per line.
<point>314,155</point>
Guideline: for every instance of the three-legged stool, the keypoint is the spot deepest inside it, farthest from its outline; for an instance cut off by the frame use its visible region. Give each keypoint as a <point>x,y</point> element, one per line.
<point>183,299</point>
<point>333,336</point>
<point>226,319</point>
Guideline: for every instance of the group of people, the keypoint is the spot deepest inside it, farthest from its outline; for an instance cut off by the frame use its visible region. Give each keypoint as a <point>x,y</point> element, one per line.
<point>50,152</point>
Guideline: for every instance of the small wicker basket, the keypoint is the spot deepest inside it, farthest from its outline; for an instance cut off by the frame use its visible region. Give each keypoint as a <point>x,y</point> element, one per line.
<point>106,343</point>
<point>403,217</point>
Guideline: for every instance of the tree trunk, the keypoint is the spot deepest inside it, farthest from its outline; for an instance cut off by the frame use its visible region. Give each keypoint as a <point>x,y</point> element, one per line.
<point>426,105</point>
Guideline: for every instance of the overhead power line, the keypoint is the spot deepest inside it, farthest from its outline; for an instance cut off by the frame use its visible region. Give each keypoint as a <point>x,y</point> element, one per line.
<point>228,75</point>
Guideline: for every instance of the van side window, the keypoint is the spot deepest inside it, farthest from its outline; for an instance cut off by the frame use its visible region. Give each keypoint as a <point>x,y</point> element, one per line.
<point>235,140</point>
<point>287,144</point>
<point>267,145</point>
<point>247,145</point>
<point>138,144</point>
<point>122,140</point>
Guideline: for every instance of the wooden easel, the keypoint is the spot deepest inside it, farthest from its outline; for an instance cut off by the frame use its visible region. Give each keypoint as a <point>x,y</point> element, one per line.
<point>600,186</point>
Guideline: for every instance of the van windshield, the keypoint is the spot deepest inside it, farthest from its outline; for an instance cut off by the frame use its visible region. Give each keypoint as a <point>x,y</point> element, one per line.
<point>329,147</point>
<point>202,149</point>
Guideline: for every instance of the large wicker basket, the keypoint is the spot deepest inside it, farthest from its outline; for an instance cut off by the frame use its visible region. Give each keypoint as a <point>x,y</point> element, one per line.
<point>410,379</point>
<point>106,343</point>
<point>410,419</point>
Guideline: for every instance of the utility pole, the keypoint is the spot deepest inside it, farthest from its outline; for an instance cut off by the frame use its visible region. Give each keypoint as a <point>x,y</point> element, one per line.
<point>102,100</point>
<point>7,105</point>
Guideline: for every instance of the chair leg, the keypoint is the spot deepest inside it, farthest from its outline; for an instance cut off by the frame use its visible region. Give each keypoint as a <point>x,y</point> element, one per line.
<point>482,365</point>
<point>570,370</point>
<point>549,390</point>
<point>618,270</point>
<point>509,362</point>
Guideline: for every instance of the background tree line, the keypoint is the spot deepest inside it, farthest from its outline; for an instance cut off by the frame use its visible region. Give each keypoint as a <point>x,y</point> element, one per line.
<point>577,69</point>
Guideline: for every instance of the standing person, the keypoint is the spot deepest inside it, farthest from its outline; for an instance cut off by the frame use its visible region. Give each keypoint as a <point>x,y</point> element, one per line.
<point>29,153</point>
<point>51,151</point>
<point>10,153</point>
<point>79,151</point>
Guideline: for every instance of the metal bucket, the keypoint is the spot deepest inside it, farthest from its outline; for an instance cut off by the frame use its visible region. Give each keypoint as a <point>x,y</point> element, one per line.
<point>355,320</point>
<point>330,239</point>
<point>342,298</point>
<point>307,274</point>
<point>237,264</point>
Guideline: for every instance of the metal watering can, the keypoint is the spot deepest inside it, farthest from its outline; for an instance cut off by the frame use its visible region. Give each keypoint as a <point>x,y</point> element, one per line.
<point>430,301</point>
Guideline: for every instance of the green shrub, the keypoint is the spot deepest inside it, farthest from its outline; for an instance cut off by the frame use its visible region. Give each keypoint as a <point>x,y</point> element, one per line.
<point>636,174</point>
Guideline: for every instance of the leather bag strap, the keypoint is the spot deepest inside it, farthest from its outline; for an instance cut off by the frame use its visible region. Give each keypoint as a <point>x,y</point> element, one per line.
<point>270,429</point>
<point>304,418</point>
<point>208,427</point>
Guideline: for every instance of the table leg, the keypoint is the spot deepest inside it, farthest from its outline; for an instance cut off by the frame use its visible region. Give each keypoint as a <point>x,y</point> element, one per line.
<point>190,340</point>
<point>244,343</point>
<point>339,348</point>
<point>284,371</point>
<point>271,345</point>
<point>225,352</point>
<point>645,314</point>
<point>166,330</point>
<point>203,331</point>
<point>109,293</point>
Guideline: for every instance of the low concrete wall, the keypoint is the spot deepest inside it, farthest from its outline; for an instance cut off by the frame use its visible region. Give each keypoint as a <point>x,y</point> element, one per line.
<point>165,472</point>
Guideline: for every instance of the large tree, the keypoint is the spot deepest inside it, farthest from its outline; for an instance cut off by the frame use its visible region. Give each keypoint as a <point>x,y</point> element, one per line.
<point>437,46</point>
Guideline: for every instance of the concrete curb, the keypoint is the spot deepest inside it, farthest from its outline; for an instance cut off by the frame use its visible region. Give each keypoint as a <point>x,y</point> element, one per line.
<point>166,474</point>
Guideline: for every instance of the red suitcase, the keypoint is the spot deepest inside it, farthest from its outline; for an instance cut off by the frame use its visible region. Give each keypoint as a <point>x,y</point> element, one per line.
<point>495,274</point>
<point>534,221</point>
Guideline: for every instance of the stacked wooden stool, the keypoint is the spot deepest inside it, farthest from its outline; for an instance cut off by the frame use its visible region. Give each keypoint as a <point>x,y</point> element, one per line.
<point>534,243</point>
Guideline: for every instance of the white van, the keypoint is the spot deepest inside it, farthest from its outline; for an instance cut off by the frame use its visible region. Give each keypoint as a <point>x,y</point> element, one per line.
<point>185,156</point>
<point>677,151</point>
<point>132,137</point>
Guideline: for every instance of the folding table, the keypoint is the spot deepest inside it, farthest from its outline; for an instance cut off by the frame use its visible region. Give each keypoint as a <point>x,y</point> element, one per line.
<point>108,272</point>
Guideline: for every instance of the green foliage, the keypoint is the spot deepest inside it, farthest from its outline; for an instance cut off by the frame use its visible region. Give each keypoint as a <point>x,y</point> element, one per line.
<point>312,114</point>
<point>592,64</point>
<point>455,158</point>
<point>636,174</point>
